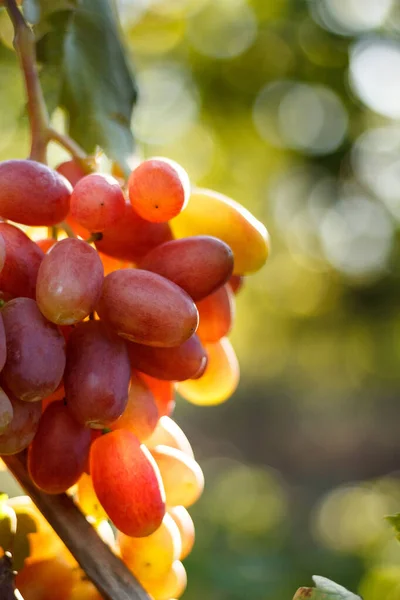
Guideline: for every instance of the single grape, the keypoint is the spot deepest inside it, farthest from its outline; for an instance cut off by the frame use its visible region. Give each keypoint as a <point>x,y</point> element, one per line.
<point>71,170</point>
<point>69,282</point>
<point>131,238</point>
<point>151,557</point>
<point>219,380</point>
<point>141,413</point>
<point>181,475</point>
<point>127,482</point>
<point>170,586</point>
<point>186,528</point>
<point>46,244</point>
<point>168,433</point>
<point>97,202</point>
<point>33,194</point>
<point>58,453</point>
<point>164,394</point>
<point>216,314</point>
<point>21,431</point>
<point>146,308</point>
<point>6,411</point>
<point>35,351</point>
<point>39,580</point>
<point>97,374</point>
<point>158,189</point>
<point>211,213</point>
<point>22,260</point>
<point>198,264</point>
<point>173,364</point>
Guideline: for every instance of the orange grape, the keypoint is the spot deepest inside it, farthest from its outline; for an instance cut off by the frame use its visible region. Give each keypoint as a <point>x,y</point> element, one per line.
<point>88,501</point>
<point>164,394</point>
<point>168,433</point>
<point>171,585</point>
<point>141,413</point>
<point>216,314</point>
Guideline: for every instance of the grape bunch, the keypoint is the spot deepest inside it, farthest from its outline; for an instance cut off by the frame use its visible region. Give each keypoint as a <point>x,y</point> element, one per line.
<point>126,298</point>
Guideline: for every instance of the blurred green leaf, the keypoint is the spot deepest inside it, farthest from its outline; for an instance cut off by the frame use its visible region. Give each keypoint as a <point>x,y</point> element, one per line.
<point>394,520</point>
<point>86,72</point>
<point>37,10</point>
<point>325,590</point>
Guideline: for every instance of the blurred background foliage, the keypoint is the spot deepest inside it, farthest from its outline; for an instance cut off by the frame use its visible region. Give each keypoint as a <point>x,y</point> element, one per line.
<point>292,107</point>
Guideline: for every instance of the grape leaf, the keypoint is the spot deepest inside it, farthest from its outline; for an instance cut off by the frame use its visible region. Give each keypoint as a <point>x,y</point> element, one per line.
<point>394,520</point>
<point>36,11</point>
<point>325,590</point>
<point>85,71</point>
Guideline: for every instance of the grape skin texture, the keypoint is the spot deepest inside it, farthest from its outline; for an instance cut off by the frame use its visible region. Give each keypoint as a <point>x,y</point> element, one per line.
<point>97,374</point>
<point>131,238</point>
<point>69,282</point>
<point>22,261</point>
<point>146,308</point>
<point>199,265</point>
<point>97,201</point>
<point>173,364</point>
<point>33,194</point>
<point>127,483</point>
<point>35,351</point>
<point>58,453</point>
<point>23,426</point>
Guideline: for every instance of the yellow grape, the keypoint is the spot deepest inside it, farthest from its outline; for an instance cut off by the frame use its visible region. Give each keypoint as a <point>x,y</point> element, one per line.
<point>87,499</point>
<point>186,528</point>
<point>182,476</point>
<point>170,586</point>
<point>151,557</point>
<point>219,380</point>
<point>168,433</point>
<point>211,213</point>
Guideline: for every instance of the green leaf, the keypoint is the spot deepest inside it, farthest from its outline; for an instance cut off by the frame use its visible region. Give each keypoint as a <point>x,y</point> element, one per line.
<point>394,520</point>
<point>325,590</point>
<point>85,71</point>
<point>36,11</point>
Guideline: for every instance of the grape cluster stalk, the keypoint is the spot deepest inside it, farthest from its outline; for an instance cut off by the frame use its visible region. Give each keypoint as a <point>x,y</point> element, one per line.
<point>116,292</point>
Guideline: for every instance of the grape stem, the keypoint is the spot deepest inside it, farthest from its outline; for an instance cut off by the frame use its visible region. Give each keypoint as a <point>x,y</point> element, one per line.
<point>108,573</point>
<point>41,132</point>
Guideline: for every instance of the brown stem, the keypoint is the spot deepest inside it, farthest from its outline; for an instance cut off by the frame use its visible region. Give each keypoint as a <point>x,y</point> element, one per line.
<point>68,143</point>
<point>24,44</point>
<point>108,573</point>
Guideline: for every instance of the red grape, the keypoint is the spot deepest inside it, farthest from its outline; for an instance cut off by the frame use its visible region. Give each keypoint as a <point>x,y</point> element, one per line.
<point>35,351</point>
<point>236,282</point>
<point>69,281</point>
<point>58,453</point>
<point>33,194</point>
<point>97,374</point>
<point>97,202</point>
<point>21,431</point>
<point>147,308</point>
<point>22,260</point>
<point>6,411</point>
<point>173,364</point>
<point>164,394</point>
<point>158,189</point>
<point>131,238</point>
<point>127,483</point>
<point>71,170</point>
<point>199,265</point>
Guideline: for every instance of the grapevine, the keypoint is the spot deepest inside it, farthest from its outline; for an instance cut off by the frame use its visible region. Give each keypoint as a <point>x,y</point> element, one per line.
<point>129,298</point>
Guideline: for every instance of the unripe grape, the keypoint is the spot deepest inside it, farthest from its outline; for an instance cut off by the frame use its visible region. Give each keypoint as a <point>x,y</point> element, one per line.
<point>58,453</point>
<point>35,351</point>
<point>69,282</point>
<point>168,433</point>
<point>22,429</point>
<point>141,414</point>
<point>97,202</point>
<point>186,528</point>
<point>211,213</point>
<point>22,260</point>
<point>158,189</point>
<point>170,586</point>
<point>146,308</point>
<point>131,238</point>
<point>97,374</point>
<point>216,314</point>
<point>173,364</point>
<point>198,264</point>
<point>182,476</point>
<point>219,380</point>
<point>32,194</point>
<point>151,557</point>
<point>87,500</point>
<point>127,482</point>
